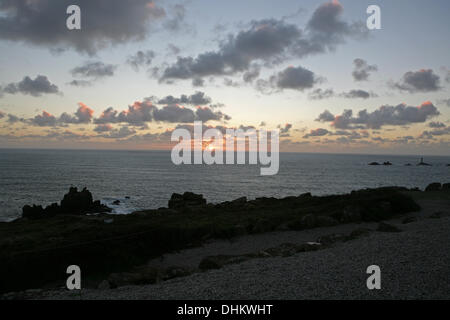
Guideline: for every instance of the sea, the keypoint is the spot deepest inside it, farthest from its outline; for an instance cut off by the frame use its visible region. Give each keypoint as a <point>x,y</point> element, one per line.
<point>147,179</point>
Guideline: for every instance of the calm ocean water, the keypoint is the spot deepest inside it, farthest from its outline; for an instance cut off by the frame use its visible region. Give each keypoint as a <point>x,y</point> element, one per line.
<point>149,177</point>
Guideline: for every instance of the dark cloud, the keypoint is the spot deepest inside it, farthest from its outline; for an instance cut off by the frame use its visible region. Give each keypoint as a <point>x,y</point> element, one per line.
<point>430,134</point>
<point>362,70</point>
<point>141,59</point>
<point>94,70</point>
<point>174,113</point>
<point>319,94</point>
<point>44,120</point>
<point>270,41</point>
<point>80,83</point>
<point>284,130</point>
<point>196,99</point>
<point>37,87</point>
<point>424,80</point>
<point>251,74</point>
<point>358,93</point>
<point>296,78</point>
<point>83,115</point>
<point>317,133</point>
<point>141,112</point>
<point>198,82</point>
<point>399,115</point>
<point>325,116</point>
<point>436,124</point>
<point>103,22</point>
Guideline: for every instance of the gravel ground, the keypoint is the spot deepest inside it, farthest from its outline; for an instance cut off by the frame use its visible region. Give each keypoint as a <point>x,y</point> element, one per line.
<point>415,264</point>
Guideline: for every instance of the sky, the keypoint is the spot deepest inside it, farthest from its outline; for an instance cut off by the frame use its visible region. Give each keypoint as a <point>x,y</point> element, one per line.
<point>139,69</point>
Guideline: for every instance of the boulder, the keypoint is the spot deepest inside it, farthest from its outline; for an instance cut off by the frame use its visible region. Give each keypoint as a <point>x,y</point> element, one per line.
<point>385,227</point>
<point>435,186</point>
<point>446,186</point>
<point>374,164</point>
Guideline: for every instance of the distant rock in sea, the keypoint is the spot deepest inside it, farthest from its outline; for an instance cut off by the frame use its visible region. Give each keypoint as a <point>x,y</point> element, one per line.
<point>374,164</point>
<point>421,163</point>
<point>387,163</point>
<point>75,202</point>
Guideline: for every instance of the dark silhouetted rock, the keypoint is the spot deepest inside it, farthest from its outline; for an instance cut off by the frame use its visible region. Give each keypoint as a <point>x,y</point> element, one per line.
<point>385,227</point>
<point>435,186</point>
<point>387,163</point>
<point>34,212</point>
<point>421,163</point>
<point>446,186</point>
<point>187,199</point>
<point>73,202</point>
<point>408,165</point>
<point>374,164</point>
<point>116,202</point>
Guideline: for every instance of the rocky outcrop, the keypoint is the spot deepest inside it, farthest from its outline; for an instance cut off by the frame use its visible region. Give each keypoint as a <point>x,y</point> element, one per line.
<point>435,186</point>
<point>74,202</point>
<point>186,200</point>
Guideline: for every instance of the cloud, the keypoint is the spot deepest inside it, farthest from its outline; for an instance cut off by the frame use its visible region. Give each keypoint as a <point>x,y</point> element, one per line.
<point>142,112</point>
<point>436,124</point>
<point>317,133</point>
<point>37,87</point>
<point>94,70</point>
<point>44,120</point>
<point>319,94</point>
<point>103,127</point>
<point>296,78</point>
<point>424,80</point>
<point>196,99</point>
<point>358,93</point>
<point>103,22</point>
<point>141,59</point>
<point>269,41</point>
<point>174,113</point>
<point>121,133</point>
<point>82,115</point>
<point>176,20</point>
<point>80,83</point>
<point>284,130</point>
<point>436,132</point>
<point>325,116</point>
<point>399,115</point>
<point>362,70</point>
